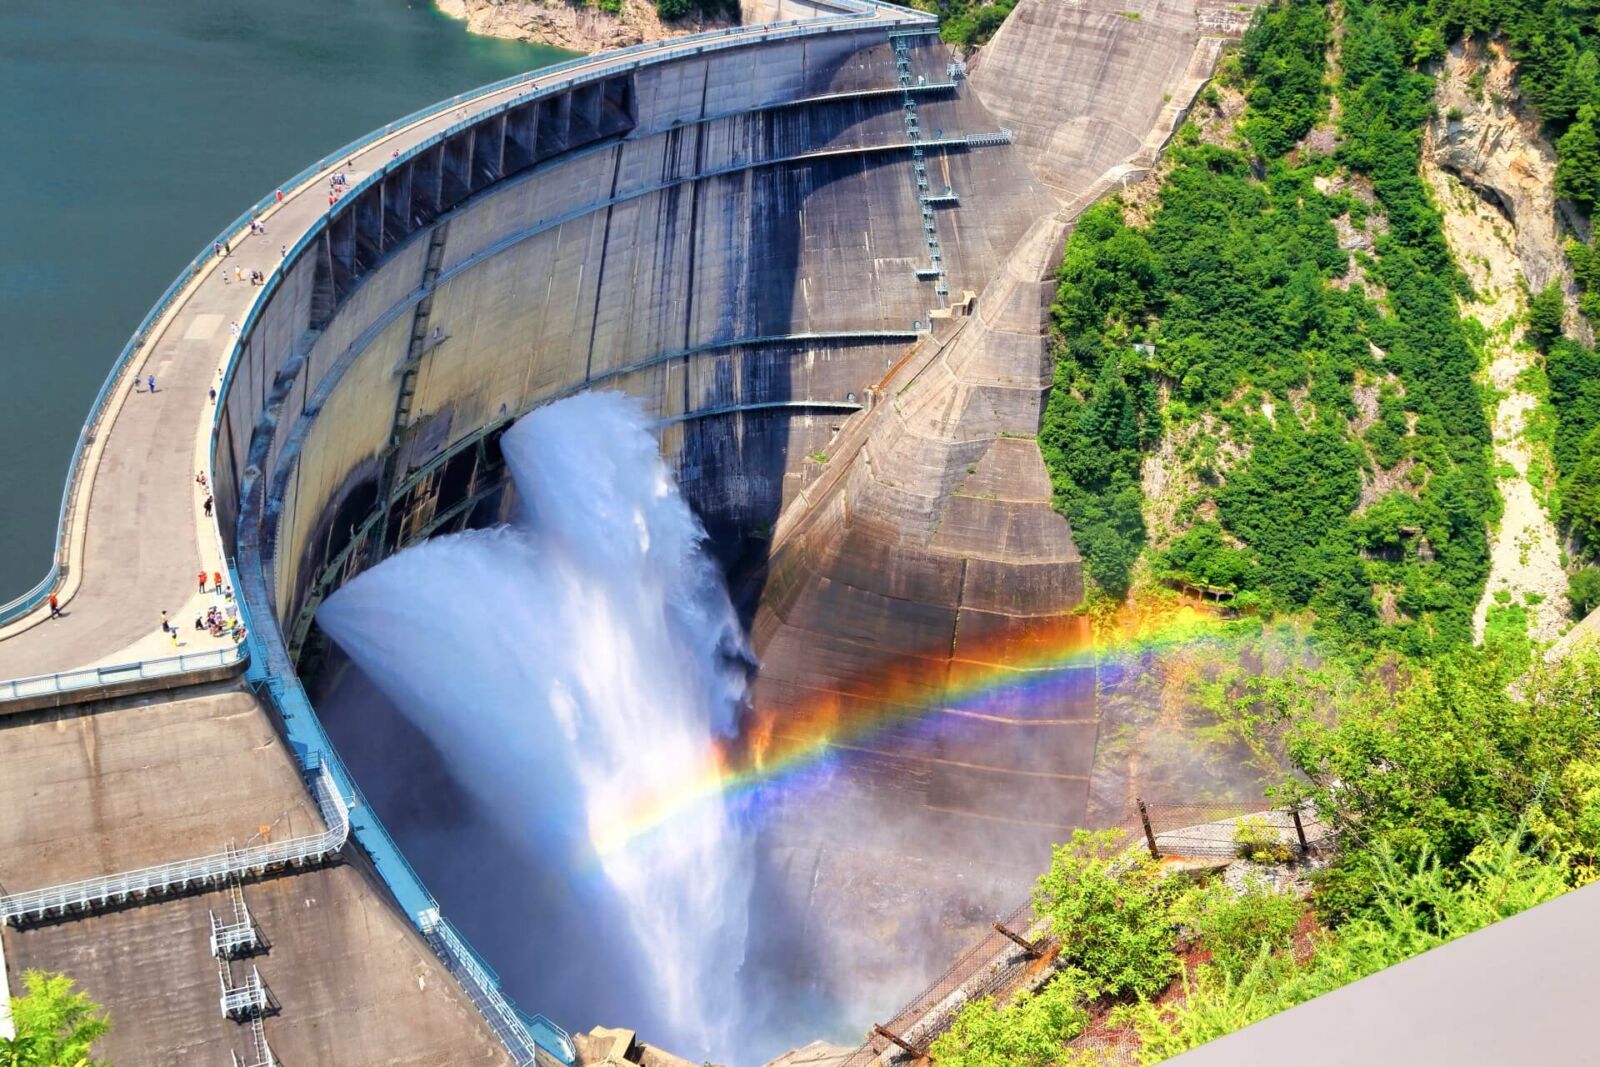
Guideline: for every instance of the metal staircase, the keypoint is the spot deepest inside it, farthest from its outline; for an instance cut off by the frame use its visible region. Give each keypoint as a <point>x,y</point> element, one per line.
<point>248,999</point>
<point>260,1054</point>
<point>236,935</point>
<point>420,341</point>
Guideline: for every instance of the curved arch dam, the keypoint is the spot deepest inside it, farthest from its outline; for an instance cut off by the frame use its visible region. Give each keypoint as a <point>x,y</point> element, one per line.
<point>818,251</point>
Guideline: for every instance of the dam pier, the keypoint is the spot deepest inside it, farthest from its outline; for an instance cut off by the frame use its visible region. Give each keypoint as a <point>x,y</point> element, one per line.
<point>818,249</point>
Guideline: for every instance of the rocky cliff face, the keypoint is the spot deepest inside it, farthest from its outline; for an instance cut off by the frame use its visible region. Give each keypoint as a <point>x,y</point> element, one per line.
<point>1492,176</point>
<point>575,26</point>
<point>1481,136</point>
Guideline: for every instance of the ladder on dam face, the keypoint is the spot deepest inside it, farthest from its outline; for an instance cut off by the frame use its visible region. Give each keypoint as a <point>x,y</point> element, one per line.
<point>260,1052</point>
<point>419,345</point>
<point>420,342</point>
<point>934,270</point>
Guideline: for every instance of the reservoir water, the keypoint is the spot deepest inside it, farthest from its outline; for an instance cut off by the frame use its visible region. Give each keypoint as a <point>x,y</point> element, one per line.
<point>131,134</point>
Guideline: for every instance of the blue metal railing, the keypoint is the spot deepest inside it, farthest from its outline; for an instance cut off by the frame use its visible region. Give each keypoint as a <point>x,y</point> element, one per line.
<point>269,675</point>
<point>119,673</point>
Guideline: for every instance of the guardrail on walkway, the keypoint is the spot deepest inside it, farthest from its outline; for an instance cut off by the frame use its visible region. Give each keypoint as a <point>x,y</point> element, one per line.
<point>483,985</point>
<point>92,894</point>
<point>95,677</point>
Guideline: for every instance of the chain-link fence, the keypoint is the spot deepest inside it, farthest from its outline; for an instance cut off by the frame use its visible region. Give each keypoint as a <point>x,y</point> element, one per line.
<point>1218,831</point>
<point>1000,961</point>
<point>997,961</point>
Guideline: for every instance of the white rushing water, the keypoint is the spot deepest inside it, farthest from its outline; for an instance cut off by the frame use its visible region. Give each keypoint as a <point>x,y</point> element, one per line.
<point>585,655</point>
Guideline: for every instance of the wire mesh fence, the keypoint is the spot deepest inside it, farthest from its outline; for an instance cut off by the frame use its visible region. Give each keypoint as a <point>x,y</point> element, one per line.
<point>997,964</point>
<point>1222,830</point>
<point>993,963</point>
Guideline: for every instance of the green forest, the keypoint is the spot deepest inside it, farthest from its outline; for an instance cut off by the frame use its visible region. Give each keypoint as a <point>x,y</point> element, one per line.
<point>1228,322</point>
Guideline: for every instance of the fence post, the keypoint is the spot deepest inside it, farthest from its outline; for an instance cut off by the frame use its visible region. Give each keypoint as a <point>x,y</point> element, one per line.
<point>1299,830</point>
<point>1149,834</point>
<point>885,1032</point>
<point>1027,946</point>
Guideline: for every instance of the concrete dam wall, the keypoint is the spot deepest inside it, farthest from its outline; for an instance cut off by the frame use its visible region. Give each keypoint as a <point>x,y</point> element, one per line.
<point>734,239</point>
<point>823,263</point>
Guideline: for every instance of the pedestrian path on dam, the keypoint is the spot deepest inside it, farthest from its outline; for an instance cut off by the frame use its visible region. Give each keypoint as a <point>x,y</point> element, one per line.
<point>135,535</point>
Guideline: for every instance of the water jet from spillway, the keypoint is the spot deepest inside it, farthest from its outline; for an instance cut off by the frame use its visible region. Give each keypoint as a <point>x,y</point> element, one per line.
<point>567,662</point>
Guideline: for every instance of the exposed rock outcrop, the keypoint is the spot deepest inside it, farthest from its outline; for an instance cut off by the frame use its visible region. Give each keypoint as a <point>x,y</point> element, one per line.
<point>1492,176</point>
<point>1483,137</point>
<point>576,26</point>
<point>607,1047</point>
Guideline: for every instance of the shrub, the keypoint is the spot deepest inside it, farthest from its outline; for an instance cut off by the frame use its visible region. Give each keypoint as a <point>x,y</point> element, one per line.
<point>1580,496</point>
<point>1237,928</point>
<point>1434,760</point>
<point>1578,169</point>
<point>1258,842</point>
<point>1583,589</point>
<point>1112,914</point>
<point>1544,316</point>
<point>1028,1032</point>
<point>1416,907</point>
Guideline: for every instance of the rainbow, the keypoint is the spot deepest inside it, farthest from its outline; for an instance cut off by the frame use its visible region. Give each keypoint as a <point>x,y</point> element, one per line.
<point>992,678</point>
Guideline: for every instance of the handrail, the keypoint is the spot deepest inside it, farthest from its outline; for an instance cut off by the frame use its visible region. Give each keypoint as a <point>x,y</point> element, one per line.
<point>90,677</point>
<point>674,47</point>
<point>514,1028</point>
<point>90,893</point>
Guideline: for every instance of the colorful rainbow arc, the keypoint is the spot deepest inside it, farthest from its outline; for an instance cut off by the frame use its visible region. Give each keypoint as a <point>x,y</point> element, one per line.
<point>984,678</point>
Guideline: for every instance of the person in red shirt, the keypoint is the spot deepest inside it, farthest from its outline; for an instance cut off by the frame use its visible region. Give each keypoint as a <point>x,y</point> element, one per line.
<point>202,581</point>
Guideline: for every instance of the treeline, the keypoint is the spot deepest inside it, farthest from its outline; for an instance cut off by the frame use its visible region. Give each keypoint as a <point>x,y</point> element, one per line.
<point>1573,372</point>
<point>1557,49</point>
<point>1226,302</point>
<point>1454,805</point>
<point>967,23</point>
<point>673,10</point>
